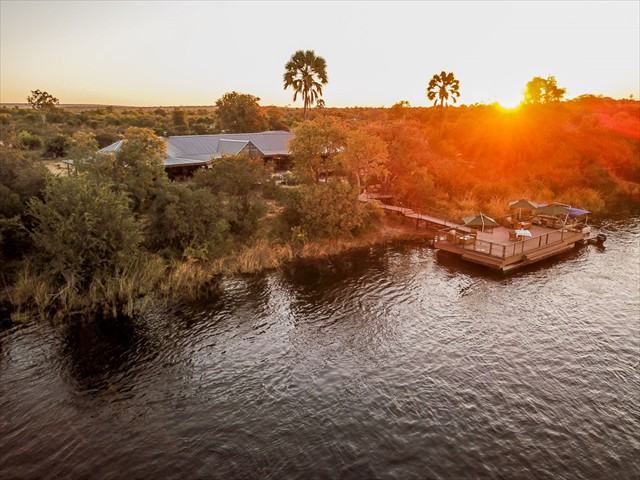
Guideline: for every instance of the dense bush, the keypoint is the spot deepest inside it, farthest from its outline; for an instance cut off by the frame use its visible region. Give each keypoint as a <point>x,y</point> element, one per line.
<point>56,146</point>
<point>187,223</point>
<point>326,210</point>
<point>239,181</point>
<point>21,178</point>
<point>29,141</point>
<point>83,230</point>
<point>137,168</point>
<point>106,138</point>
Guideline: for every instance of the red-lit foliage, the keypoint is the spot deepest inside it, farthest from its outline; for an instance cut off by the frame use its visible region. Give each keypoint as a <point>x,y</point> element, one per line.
<point>585,152</point>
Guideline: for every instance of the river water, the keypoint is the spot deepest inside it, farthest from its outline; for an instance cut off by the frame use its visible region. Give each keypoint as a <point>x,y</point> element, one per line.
<point>383,363</point>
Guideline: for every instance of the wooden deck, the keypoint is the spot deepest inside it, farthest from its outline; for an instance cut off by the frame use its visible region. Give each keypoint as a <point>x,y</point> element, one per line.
<point>491,249</point>
<point>495,250</point>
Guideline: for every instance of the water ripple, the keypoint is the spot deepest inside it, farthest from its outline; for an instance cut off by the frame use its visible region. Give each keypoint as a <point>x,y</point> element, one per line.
<point>381,363</point>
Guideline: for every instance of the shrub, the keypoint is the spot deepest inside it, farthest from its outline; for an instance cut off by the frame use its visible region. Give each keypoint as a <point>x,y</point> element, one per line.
<point>21,178</point>
<point>140,165</point>
<point>187,222</point>
<point>238,180</point>
<point>83,230</point>
<point>57,146</point>
<point>326,210</point>
<point>29,141</point>
<point>24,176</point>
<point>106,138</point>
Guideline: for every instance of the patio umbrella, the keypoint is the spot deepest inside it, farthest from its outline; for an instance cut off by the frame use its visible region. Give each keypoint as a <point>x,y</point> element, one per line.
<point>523,204</point>
<point>480,220</point>
<point>555,209</point>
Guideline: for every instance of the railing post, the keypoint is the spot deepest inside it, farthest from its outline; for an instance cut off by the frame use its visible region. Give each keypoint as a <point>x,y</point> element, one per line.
<point>504,252</point>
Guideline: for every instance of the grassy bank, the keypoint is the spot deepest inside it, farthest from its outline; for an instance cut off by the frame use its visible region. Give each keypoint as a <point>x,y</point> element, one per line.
<point>265,255</point>
<point>27,295</point>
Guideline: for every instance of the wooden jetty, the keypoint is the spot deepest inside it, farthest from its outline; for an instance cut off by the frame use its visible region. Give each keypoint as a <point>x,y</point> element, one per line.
<point>496,249</point>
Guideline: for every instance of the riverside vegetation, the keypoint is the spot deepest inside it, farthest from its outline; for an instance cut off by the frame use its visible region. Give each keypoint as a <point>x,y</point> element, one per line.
<point>117,235</point>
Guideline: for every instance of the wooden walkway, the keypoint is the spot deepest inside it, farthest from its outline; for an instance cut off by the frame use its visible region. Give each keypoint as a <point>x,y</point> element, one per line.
<point>429,221</point>
<point>491,249</point>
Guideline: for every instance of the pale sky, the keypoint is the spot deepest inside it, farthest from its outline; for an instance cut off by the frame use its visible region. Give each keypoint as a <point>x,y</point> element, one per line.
<point>377,52</point>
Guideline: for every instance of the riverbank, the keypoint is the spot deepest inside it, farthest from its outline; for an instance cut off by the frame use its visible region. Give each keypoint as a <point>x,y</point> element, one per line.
<point>171,281</point>
<point>265,255</point>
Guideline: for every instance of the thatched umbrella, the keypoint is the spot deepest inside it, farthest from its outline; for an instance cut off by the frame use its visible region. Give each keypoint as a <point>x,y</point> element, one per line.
<point>555,209</point>
<point>523,204</point>
<point>480,220</point>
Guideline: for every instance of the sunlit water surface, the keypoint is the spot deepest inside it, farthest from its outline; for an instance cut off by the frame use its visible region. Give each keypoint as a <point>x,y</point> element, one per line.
<point>381,363</point>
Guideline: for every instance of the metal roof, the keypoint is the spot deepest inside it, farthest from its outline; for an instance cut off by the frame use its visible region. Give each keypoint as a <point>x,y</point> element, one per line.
<point>112,148</point>
<point>199,149</point>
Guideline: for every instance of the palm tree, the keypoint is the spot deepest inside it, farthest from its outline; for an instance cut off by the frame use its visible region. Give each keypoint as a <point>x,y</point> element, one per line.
<point>442,88</point>
<point>306,73</point>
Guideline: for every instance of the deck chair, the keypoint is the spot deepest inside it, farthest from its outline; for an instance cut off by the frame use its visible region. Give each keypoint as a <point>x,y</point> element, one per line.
<point>512,235</point>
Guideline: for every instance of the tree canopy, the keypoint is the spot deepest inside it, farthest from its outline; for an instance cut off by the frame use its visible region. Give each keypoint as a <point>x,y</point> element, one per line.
<point>84,230</point>
<point>442,88</point>
<point>306,73</point>
<point>364,155</point>
<point>543,90</point>
<point>315,146</point>
<point>239,113</point>
<point>42,102</point>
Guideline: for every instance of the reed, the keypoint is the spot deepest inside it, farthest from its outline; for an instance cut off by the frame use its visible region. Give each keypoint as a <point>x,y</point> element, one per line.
<point>187,280</point>
<point>263,255</point>
<point>129,292</point>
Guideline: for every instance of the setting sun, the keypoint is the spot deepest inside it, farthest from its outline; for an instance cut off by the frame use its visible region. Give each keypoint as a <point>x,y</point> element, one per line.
<point>510,104</point>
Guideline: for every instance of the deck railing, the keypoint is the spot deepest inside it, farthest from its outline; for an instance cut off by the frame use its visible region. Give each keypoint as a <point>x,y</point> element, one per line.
<point>431,212</point>
<point>518,247</point>
<point>484,247</point>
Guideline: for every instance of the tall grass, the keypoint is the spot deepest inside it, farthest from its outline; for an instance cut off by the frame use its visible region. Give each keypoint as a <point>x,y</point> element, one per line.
<point>150,279</point>
<point>263,255</point>
<point>129,292</point>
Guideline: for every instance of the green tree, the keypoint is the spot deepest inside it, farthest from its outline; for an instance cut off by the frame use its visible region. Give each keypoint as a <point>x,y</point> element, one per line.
<point>306,74</point>
<point>364,155</point>
<point>28,140</point>
<point>187,222</point>
<point>43,102</point>
<point>82,145</point>
<point>56,146</point>
<point>326,210</point>
<point>137,168</point>
<point>442,88</point>
<point>410,157</point>
<point>238,180</point>
<point>83,231</point>
<point>543,90</point>
<point>21,178</point>
<point>553,93</point>
<point>239,113</point>
<point>179,117</point>
<point>315,147</point>
<point>139,165</point>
